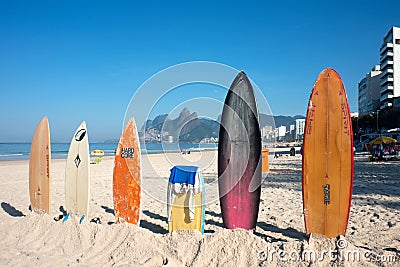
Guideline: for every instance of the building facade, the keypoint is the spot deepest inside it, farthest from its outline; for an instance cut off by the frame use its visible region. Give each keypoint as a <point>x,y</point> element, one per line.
<point>390,68</point>
<point>396,103</point>
<point>300,123</point>
<point>369,92</point>
<point>267,134</point>
<point>281,132</point>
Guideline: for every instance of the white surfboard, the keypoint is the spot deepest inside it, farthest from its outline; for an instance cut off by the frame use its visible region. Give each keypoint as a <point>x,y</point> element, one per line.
<point>77,175</point>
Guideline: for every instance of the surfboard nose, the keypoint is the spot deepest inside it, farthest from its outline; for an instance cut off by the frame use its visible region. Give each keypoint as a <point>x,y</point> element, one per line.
<point>329,73</point>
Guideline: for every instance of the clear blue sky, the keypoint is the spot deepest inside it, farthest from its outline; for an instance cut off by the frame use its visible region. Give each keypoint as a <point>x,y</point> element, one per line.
<point>83,60</point>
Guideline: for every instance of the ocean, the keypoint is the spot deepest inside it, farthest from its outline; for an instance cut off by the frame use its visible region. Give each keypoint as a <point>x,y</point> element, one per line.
<point>20,151</point>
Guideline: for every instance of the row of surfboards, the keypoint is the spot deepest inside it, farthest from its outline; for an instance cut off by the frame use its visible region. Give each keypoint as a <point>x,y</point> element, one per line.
<point>327,162</point>
<point>327,168</point>
<point>127,173</point>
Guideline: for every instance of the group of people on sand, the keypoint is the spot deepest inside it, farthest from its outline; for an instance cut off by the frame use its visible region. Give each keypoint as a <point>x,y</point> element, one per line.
<point>292,152</point>
<point>379,151</point>
<point>184,151</point>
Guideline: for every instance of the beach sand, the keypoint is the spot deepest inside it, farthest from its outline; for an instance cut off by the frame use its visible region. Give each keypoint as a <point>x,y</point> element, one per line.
<point>30,239</point>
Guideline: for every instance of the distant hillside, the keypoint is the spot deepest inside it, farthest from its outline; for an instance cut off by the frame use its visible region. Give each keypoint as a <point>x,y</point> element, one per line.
<point>266,120</point>
<point>299,117</point>
<point>188,128</point>
<point>286,120</point>
<point>207,128</point>
<point>279,120</point>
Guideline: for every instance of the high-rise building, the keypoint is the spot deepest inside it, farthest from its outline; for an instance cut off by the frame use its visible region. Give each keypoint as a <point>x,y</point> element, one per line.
<point>291,128</point>
<point>267,134</point>
<point>300,123</point>
<point>390,68</point>
<point>396,104</point>
<point>369,92</point>
<point>281,131</point>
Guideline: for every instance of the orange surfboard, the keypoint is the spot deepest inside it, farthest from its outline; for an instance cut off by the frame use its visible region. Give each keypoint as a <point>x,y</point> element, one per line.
<point>127,176</point>
<point>40,168</point>
<point>328,162</point>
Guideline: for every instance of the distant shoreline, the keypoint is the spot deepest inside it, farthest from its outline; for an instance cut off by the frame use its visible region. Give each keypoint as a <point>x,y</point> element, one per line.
<point>20,151</point>
<point>63,156</point>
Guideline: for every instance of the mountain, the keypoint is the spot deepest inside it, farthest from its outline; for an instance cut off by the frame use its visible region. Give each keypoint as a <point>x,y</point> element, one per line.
<point>214,125</point>
<point>284,121</point>
<point>188,127</point>
<point>159,121</point>
<point>299,117</point>
<point>265,120</point>
<point>206,129</point>
<point>278,120</point>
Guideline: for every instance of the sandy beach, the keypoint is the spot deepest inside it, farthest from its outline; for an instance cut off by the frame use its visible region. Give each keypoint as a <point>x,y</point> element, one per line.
<point>30,239</point>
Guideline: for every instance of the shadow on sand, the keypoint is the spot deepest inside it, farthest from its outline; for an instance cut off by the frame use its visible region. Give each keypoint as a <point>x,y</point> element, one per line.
<point>155,228</point>
<point>11,210</point>
<point>288,232</point>
<point>155,216</point>
<point>107,209</point>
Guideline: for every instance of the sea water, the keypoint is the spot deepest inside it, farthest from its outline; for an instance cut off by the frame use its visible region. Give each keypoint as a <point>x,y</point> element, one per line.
<point>20,151</point>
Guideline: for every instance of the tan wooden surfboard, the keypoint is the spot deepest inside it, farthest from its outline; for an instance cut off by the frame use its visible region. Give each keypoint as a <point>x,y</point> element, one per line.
<point>40,168</point>
<point>77,174</point>
<point>328,163</point>
<point>127,176</point>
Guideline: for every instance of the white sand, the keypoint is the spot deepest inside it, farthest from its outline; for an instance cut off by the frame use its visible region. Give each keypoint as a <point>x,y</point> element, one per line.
<point>29,239</point>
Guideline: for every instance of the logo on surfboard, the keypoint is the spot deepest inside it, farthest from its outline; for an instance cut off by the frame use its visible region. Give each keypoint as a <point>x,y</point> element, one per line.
<point>80,135</point>
<point>77,161</point>
<point>327,194</point>
<point>127,152</point>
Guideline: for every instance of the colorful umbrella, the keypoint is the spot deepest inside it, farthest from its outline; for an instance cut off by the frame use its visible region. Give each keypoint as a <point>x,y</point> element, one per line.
<point>382,139</point>
<point>97,152</point>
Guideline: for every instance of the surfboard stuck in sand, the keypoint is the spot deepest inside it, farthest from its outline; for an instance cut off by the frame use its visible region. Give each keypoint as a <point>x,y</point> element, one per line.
<point>328,165</point>
<point>239,157</point>
<point>77,175</point>
<point>40,168</point>
<point>127,176</point>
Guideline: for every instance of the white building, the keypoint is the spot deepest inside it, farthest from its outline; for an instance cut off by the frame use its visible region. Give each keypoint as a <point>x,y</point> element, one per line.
<point>266,130</point>
<point>281,131</point>
<point>268,134</point>
<point>369,92</point>
<point>390,68</point>
<point>354,114</point>
<point>300,123</point>
<point>291,128</point>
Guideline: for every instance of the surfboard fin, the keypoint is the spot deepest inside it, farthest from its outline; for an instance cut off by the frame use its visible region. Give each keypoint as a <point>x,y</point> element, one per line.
<point>82,218</point>
<point>66,217</point>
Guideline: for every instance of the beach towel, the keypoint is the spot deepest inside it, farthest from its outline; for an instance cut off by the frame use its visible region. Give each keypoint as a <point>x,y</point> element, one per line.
<point>183,180</point>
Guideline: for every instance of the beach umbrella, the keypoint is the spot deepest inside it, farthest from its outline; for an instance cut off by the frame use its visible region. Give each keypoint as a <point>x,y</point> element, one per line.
<point>98,154</point>
<point>382,139</point>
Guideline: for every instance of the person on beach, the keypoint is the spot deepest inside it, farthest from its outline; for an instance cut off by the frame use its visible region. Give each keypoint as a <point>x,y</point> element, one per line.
<point>380,152</point>
<point>292,152</point>
<point>374,151</point>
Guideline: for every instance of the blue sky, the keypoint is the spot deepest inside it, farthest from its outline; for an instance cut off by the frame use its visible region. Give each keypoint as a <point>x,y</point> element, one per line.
<point>84,60</point>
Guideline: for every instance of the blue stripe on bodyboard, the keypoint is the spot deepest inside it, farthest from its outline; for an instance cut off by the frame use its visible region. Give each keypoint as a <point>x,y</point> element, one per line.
<point>203,209</point>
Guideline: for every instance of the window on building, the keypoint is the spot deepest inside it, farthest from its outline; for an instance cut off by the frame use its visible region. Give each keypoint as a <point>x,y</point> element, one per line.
<point>397,41</point>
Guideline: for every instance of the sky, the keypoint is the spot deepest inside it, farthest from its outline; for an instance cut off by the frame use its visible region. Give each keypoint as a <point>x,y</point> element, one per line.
<point>84,60</point>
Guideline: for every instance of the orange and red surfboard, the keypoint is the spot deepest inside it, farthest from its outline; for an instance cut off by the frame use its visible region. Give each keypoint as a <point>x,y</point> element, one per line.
<point>127,176</point>
<point>40,168</point>
<point>328,162</point>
